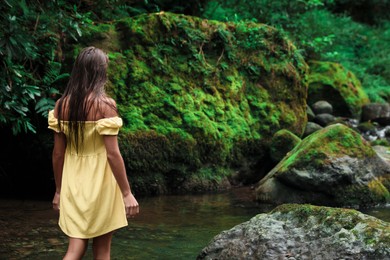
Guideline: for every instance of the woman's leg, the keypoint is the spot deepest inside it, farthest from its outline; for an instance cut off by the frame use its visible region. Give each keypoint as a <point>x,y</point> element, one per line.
<point>102,246</point>
<point>76,248</point>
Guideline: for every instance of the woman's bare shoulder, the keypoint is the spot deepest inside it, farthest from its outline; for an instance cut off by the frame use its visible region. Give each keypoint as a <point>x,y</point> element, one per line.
<point>108,107</point>
<point>56,108</point>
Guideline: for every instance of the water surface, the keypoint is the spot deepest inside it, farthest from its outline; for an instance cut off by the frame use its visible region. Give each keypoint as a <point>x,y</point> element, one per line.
<point>168,227</point>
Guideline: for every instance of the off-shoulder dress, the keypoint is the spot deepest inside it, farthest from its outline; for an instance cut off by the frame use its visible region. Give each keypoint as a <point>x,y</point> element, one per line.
<point>91,202</point>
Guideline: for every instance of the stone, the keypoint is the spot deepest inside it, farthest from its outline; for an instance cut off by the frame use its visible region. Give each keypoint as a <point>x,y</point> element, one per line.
<point>322,107</point>
<point>334,166</point>
<point>311,127</point>
<point>367,127</point>
<point>293,231</point>
<point>387,133</point>
<point>310,114</point>
<point>324,119</point>
<point>282,142</point>
<point>376,112</point>
<point>337,85</point>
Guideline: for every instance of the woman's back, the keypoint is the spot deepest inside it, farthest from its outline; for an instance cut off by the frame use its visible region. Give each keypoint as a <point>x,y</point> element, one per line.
<point>93,132</point>
<point>101,117</point>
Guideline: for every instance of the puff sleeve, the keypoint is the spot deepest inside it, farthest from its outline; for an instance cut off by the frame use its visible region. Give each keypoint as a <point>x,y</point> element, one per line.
<point>109,126</point>
<point>52,121</point>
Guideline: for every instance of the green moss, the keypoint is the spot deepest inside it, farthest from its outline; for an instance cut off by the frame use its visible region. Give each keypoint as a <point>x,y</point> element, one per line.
<point>345,218</point>
<point>376,186</point>
<point>376,192</point>
<point>282,142</point>
<point>369,230</point>
<point>382,142</point>
<point>333,141</point>
<point>101,35</point>
<point>366,126</point>
<point>216,174</point>
<point>213,87</point>
<point>332,82</point>
<point>117,73</point>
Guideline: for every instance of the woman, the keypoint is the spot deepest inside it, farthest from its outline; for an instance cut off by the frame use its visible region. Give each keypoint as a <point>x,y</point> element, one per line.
<point>92,191</point>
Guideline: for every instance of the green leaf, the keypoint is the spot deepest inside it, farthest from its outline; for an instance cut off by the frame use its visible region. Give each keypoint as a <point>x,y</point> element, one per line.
<point>44,105</point>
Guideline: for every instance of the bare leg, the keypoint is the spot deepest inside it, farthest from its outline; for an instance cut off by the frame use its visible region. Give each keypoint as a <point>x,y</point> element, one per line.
<point>76,248</point>
<point>102,247</point>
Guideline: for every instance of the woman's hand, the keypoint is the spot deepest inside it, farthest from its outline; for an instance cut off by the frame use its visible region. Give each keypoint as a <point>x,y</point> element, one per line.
<point>56,201</point>
<point>131,205</point>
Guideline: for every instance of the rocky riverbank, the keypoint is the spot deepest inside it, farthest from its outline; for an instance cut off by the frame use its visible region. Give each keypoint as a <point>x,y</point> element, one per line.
<point>294,231</point>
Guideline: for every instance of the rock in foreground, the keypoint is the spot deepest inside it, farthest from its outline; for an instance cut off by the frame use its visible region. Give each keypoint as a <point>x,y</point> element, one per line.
<point>293,231</point>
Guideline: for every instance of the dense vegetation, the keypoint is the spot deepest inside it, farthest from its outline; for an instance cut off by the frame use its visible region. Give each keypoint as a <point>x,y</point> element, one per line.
<point>36,38</point>
<point>353,33</point>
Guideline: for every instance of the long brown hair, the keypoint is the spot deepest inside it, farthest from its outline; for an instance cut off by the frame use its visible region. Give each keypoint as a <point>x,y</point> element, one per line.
<point>84,90</point>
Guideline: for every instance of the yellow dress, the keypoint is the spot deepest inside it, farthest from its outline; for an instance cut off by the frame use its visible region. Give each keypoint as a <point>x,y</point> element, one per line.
<point>91,202</point>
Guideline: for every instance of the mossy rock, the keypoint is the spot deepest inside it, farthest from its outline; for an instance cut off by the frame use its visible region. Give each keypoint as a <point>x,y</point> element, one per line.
<point>303,232</point>
<point>332,82</point>
<point>199,94</point>
<point>382,142</point>
<point>282,142</point>
<point>333,166</point>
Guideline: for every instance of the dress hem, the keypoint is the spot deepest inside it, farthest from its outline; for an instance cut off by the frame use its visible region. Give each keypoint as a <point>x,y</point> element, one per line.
<point>108,230</point>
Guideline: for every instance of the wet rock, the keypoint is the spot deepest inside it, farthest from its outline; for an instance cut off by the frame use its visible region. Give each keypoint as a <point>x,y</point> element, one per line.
<point>324,119</point>
<point>376,112</point>
<point>311,127</point>
<point>282,142</point>
<point>334,166</point>
<point>322,107</point>
<point>310,114</point>
<point>383,152</point>
<point>367,127</point>
<point>387,132</point>
<point>303,232</point>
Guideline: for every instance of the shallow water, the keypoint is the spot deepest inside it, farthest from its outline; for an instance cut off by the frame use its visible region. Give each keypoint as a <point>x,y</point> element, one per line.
<point>168,227</point>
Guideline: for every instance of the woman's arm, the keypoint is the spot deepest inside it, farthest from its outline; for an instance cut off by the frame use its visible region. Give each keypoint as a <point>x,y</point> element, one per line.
<point>118,168</point>
<point>58,157</point>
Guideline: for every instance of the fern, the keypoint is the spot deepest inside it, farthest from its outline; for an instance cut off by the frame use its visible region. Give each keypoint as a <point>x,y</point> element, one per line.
<point>52,75</point>
<point>44,105</point>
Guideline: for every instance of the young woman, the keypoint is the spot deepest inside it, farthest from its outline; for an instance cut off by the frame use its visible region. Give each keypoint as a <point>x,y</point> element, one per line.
<point>92,194</point>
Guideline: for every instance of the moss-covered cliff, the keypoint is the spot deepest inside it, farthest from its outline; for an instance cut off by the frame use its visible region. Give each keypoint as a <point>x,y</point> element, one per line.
<point>199,96</point>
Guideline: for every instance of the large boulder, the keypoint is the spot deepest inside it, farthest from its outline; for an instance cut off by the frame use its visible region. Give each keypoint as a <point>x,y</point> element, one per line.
<point>199,96</point>
<point>377,112</point>
<point>332,82</point>
<point>333,166</point>
<point>303,232</point>
<point>282,142</point>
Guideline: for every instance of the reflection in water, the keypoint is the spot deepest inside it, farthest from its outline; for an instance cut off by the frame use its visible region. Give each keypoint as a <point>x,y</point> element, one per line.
<point>178,227</point>
<point>168,227</point>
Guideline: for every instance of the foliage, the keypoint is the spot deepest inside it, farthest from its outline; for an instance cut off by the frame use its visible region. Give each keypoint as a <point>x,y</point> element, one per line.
<point>322,35</point>
<point>31,44</point>
<point>31,57</point>
<point>109,10</point>
<point>371,12</point>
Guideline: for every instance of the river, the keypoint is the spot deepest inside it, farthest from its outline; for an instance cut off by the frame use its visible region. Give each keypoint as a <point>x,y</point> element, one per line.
<point>168,227</point>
